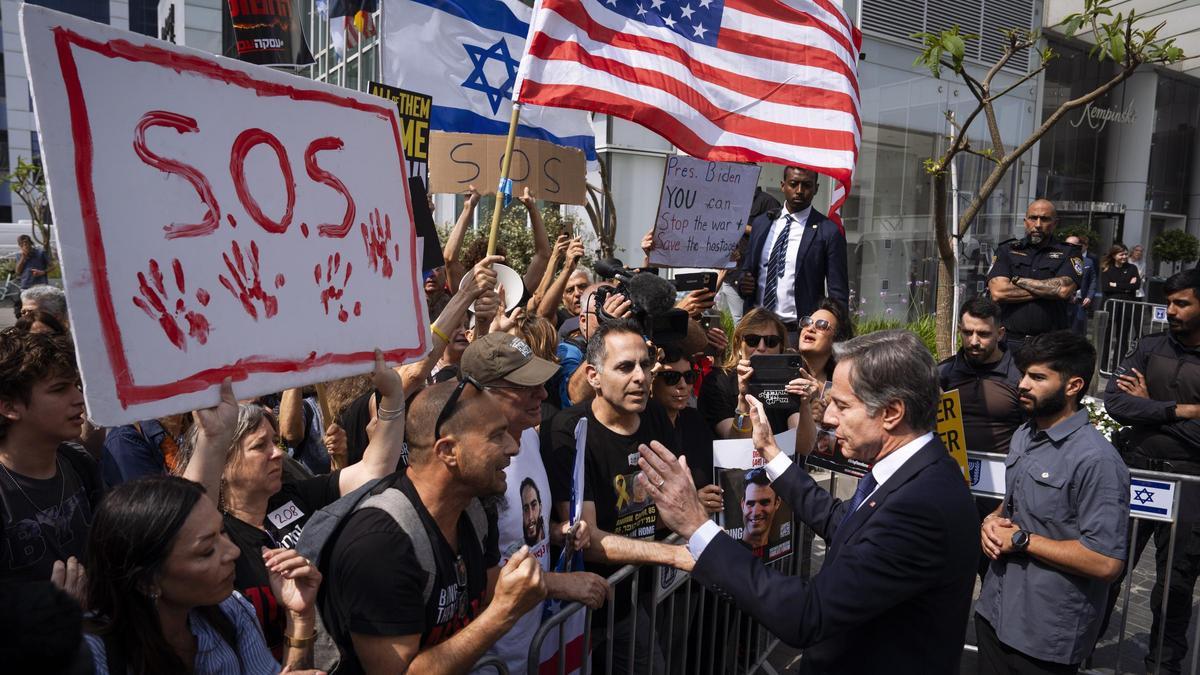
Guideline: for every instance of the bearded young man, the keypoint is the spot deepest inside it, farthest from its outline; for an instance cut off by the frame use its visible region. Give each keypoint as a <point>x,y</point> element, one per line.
<point>1058,540</point>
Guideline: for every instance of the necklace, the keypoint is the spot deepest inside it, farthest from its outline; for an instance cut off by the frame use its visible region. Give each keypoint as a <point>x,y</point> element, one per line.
<point>61,479</point>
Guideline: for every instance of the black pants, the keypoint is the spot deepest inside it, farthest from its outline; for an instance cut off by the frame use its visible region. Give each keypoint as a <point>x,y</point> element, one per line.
<point>1185,567</point>
<point>997,658</point>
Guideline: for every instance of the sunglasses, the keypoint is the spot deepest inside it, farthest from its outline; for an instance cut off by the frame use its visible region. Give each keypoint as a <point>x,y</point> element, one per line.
<point>822,325</point>
<point>448,409</point>
<point>672,377</point>
<point>772,341</point>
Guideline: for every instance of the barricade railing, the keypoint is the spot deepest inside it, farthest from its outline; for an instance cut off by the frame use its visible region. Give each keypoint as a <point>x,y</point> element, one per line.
<point>1128,321</point>
<point>718,638</point>
<point>1154,498</point>
<point>687,628</point>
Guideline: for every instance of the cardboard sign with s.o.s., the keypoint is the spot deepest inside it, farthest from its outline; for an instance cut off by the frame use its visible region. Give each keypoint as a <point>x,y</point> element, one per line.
<point>551,172</point>
<point>217,219</point>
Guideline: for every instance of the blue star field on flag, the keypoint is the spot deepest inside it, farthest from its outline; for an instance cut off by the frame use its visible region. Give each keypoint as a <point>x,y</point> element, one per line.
<point>478,79</point>
<point>696,20</point>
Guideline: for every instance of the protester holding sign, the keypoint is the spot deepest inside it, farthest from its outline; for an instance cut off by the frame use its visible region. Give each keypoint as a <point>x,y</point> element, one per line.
<point>261,509</point>
<point>702,212</point>
<point>510,371</point>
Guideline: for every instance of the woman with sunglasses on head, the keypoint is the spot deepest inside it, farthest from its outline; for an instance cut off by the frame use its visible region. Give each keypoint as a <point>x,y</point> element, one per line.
<point>672,389</point>
<point>263,510</point>
<point>828,324</point>
<point>721,399</point>
<point>161,583</point>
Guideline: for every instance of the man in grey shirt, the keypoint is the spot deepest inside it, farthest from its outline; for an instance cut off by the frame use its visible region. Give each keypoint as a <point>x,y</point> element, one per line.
<point>1059,537</point>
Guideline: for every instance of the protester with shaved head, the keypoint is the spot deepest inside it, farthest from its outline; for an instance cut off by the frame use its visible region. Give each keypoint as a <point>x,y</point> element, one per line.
<point>413,575</point>
<point>1034,278</point>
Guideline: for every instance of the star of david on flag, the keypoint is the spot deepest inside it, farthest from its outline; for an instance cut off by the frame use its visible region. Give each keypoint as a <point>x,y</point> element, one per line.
<point>735,80</point>
<point>465,54</point>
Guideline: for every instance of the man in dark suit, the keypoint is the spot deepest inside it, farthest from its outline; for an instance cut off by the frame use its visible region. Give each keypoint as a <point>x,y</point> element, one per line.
<point>894,591</point>
<point>794,252</point>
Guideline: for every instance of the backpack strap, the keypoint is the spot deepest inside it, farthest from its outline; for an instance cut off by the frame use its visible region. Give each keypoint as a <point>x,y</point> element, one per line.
<point>87,470</point>
<point>324,524</point>
<point>397,505</point>
<point>479,522</point>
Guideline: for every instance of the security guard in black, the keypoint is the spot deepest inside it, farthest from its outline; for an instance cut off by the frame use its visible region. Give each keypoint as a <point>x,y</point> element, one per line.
<point>1034,278</point>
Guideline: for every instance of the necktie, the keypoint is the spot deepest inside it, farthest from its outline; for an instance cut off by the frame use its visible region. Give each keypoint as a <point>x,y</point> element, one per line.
<point>865,487</point>
<point>775,265</point>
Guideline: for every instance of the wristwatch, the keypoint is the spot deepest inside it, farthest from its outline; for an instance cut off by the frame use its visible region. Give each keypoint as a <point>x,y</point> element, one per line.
<point>1020,540</point>
<point>1014,279</point>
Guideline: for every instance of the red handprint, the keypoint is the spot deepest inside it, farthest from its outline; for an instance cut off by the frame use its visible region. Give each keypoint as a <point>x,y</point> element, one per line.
<point>332,289</point>
<point>155,302</point>
<point>378,239</point>
<point>249,283</point>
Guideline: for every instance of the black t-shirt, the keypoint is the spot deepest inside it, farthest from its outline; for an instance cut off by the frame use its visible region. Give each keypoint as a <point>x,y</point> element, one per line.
<point>991,404</point>
<point>47,520</point>
<point>610,469</point>
<point>287,512</point>
<point>718,401</point>
<point>375,584</point>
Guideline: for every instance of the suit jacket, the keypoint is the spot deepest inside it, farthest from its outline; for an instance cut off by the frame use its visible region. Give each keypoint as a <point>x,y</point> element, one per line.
<point>821,259</point>
<point>894,592</point>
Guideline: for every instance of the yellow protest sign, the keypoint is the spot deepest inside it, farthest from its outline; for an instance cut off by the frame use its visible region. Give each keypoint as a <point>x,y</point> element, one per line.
<point>950,429</point>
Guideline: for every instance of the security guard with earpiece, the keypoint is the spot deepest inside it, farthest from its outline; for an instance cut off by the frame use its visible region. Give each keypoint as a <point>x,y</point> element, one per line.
<point>1034,278</point>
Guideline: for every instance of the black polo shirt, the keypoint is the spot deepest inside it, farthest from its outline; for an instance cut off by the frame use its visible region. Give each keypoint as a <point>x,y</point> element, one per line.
<point>1019,258</point>
<point>991,404</point>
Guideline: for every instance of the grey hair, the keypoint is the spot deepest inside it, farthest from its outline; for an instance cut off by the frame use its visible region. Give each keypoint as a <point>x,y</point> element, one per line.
<point>48,298</point>
<point>250,415</point>
<point>587,274</point>
<point>893,365</point>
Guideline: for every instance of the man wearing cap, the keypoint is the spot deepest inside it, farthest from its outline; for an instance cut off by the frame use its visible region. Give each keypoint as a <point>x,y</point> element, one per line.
<point>507,368</point>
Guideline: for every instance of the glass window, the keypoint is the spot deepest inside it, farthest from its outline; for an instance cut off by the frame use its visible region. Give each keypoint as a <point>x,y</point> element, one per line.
<point>1177,107</point>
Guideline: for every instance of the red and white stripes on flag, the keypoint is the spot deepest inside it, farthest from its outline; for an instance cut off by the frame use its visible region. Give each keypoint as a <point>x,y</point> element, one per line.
<point>735,80</point>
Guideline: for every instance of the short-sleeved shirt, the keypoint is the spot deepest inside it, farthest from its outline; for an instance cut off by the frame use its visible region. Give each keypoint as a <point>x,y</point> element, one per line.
<point>610,470</point>
<point>375,585</point>
<point>45,520</point>
<point>287,512</point>
<point>35,261</point>
<point>214,656</point>
<point>1050,260</point>
<point>991,402</point>
<point>1063,483</point>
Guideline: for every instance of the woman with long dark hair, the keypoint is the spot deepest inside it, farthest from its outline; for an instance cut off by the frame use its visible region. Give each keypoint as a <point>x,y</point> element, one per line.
<point>160,586</point>
<point>262,508</point>
<point>1119,278</point>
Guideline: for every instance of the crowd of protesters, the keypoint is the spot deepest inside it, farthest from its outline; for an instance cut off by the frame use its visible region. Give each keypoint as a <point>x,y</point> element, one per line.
<point>417,517</point>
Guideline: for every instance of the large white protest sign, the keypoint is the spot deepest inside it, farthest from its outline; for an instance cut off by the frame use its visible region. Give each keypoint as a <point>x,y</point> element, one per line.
<point>753,513</point>
<point>216,219</point>
<point>702,212</point>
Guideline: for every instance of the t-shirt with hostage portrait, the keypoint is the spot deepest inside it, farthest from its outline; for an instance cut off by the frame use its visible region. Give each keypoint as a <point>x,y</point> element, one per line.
<point>523,519</point>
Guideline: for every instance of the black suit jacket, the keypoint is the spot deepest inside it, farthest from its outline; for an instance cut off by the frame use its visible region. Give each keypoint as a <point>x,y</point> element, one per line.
<point>894,592</point>
<point>820,260</point>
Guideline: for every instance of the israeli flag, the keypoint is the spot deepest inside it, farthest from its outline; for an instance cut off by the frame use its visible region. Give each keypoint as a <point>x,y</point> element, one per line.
<point>465,53</point>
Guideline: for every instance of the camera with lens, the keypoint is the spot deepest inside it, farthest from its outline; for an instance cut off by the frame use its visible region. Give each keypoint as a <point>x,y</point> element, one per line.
<point>652,301</point>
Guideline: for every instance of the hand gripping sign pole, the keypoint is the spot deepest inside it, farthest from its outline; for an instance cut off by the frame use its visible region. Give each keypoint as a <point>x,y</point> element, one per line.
<point>504,190</point>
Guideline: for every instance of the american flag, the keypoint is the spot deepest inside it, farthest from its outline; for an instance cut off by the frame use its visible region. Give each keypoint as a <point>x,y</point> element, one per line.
<point>735,80</point>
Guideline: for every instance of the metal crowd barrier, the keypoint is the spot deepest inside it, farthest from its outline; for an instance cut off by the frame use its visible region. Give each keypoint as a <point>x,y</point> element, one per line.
<point>719,638</point>
<point>1128,321</point>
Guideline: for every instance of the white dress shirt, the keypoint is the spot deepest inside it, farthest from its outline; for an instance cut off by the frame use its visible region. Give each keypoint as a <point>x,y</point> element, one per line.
<point>786,291</point>
<point>883,470</point>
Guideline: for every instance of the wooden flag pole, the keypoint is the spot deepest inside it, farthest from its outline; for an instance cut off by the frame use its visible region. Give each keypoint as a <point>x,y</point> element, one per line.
<point>508,152</point>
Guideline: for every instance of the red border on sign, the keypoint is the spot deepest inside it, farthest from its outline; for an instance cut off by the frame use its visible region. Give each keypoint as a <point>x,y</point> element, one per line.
<point>128,391</point>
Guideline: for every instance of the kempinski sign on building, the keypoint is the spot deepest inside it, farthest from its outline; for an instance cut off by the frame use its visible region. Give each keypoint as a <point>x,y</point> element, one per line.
<point>1098,118</point>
